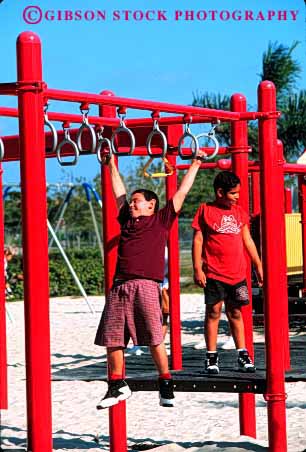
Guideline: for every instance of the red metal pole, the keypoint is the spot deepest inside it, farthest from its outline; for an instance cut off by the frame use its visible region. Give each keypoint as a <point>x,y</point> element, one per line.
<point>174,278</point>
<point>302,203</point>
<point>288,200</point>
<point>239,141</point>
<point>275,279</point>
<point>35,244</point>
<point>255,178</point>
<point>3,355</point>
<point>111,233</point>
<point>283,302</point>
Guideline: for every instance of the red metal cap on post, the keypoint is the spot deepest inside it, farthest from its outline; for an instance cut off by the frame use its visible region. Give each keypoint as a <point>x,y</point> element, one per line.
<point>29,51</point>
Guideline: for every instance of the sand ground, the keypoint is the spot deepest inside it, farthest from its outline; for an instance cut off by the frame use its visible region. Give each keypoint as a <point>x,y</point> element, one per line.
<point>200,422</point>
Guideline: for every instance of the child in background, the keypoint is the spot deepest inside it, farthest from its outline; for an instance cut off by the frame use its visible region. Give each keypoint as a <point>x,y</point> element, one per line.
<point>165,296</point>
<point>9,253</point>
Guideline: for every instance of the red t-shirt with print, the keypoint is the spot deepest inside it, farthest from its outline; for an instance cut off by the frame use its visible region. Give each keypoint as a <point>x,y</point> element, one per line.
<point>223,249</point>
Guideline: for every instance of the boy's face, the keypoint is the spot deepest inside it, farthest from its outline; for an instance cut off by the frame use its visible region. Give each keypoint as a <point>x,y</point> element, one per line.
<point>139,206</point>
<point>230,198</point>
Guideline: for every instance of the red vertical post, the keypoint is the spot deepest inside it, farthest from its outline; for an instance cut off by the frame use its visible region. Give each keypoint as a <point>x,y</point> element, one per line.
<point>275,279</point>
<point>283,302</point>
<point>302,203</point>
<point>288,200</point>
<point>111,233</point>
<point>174,277</point>
<point>255,178</point>
<point>240,150</point>
<point>3,354</point>
<point>35,242</point>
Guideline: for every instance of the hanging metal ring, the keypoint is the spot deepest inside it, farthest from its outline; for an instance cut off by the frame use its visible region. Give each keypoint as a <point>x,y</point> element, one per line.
<point>86,126</point>
<point>194,147</point>
<point>67,140</point>
<point>156,131</point>
<point>211,136</point>
<point>103,159</point>
<point>53,133</point>
<point>123,129</point>
<point>1,150</point>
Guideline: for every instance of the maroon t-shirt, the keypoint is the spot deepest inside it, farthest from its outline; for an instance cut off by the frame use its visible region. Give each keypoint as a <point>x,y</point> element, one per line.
<point>141,250</point>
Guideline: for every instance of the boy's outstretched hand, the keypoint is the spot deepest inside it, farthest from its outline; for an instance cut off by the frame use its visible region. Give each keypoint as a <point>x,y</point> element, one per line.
<point>259,274</point>
<point>199,278</point>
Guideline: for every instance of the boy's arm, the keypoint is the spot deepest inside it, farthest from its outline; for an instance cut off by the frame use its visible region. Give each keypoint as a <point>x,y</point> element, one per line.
<point>197,245</point>
<point>252,252</point>
<point>187,182</point>
<point>117,183</point>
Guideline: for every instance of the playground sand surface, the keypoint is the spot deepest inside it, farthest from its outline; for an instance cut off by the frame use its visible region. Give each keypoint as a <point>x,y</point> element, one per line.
<point>200,422</point>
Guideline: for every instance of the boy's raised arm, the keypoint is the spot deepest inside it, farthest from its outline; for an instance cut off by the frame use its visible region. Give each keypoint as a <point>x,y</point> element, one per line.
<point>187,182</point>
<point>117,183</point>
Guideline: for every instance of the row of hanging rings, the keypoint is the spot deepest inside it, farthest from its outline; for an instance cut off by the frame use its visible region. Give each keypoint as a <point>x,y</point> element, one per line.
<point>99,143</point>
<point>194,144</point>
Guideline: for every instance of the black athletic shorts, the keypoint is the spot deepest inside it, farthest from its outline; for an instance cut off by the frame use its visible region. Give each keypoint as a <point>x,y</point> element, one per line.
<point>216,291</point>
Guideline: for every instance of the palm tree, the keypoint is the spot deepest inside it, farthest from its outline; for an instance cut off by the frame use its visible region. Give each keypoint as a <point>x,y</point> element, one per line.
<point>279,66</point>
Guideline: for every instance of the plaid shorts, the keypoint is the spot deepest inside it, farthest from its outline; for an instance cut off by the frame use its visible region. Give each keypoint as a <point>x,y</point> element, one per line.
<point>132,310</point>
<point>236,294</point>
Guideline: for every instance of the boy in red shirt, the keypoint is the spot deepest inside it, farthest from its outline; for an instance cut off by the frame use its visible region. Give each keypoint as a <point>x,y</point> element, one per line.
<point>133,306</point>
<point>221,235</point>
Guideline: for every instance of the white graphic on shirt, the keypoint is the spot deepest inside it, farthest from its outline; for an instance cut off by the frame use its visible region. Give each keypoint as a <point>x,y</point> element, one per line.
<point>229,225</point>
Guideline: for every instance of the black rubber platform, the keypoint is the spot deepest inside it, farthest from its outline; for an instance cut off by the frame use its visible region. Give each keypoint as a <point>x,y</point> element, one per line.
<point>141,374</point>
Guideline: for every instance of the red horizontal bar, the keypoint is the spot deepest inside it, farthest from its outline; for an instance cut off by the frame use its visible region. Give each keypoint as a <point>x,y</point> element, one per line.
<point>113,122</point>
<point>9,111</point>
<point>72,96</point>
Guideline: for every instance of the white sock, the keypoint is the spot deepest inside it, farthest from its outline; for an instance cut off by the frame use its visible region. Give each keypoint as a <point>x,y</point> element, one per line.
<point>208,351</point>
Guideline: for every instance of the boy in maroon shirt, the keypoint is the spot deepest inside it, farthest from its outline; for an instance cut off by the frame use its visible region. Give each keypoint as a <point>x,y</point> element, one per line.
<point>133,306</point>
<point>221,235</point>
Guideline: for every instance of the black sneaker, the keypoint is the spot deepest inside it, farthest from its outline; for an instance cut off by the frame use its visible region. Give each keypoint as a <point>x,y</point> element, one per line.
<point>212,363</point>
<point>245,364</point>
<point>166,396</point>
<point>117,390</point>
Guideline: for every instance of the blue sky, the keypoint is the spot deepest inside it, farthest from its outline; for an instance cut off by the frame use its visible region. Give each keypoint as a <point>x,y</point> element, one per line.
<point>166,60</point>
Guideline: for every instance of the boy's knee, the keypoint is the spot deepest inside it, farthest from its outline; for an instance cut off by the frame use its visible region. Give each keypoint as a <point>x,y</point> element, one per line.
<point>234,314</point>
<point>213,314</point>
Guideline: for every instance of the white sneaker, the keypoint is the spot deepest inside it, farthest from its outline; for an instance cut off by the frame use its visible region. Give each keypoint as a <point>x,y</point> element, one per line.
<point>200,345</point>
<point>117,391</point>
<point>229,344</point>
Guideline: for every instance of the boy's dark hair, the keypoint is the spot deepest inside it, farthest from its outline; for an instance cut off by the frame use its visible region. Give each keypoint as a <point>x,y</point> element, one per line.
<point>148,196</point>
<point>226,180</point>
